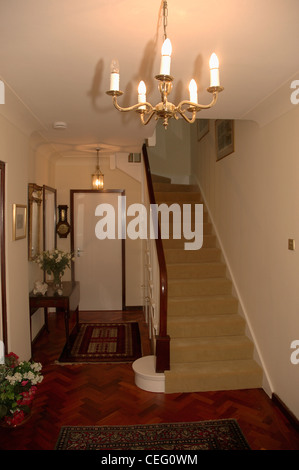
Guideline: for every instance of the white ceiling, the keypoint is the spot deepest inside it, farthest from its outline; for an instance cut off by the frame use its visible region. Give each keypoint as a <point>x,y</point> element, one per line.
<point>55,58</point>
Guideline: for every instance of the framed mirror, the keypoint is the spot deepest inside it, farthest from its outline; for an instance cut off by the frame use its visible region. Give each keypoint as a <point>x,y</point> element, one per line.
<point>35,198</point>
<point>49,219</point>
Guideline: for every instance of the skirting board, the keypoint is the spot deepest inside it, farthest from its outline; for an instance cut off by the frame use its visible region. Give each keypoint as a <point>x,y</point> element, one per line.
<point>287,413</point>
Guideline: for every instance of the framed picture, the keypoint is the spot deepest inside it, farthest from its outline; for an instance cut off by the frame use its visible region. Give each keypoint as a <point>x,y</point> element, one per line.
<point>203,126</point>
<point>19,221</point>
<point>225,138</point>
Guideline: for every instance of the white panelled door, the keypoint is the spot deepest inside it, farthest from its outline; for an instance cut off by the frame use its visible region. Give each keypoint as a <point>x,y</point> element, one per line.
<point>99,264</point>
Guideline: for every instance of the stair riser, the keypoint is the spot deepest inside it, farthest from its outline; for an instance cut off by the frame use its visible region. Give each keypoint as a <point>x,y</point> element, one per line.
<point>209,241</point>
<point>199,307</point>
<point>207,229</point>
<point>192,256</point>
<point>197,353</point>
<point>166,187</point>
<point>198,271</point>
<point>171,197</point>
<point>183,288</point>
<point>173,222</point>
<point>233,326</point>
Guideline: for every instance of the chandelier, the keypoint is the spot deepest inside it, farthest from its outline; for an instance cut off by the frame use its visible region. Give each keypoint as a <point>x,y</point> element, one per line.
<point>97,178</point>
<point>165,109</point>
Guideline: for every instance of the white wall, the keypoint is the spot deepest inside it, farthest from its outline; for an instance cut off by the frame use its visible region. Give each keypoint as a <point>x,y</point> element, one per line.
<point>14,151</point>
<point>253,197</point>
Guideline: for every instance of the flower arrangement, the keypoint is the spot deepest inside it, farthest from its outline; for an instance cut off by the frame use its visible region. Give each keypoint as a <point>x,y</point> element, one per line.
<point>18,385</point>
<point>54,262</point>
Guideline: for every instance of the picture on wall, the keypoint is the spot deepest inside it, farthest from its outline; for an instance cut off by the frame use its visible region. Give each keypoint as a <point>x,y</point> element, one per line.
<point>202,128</point>
<point>225,139</point>
<point>19,221</point>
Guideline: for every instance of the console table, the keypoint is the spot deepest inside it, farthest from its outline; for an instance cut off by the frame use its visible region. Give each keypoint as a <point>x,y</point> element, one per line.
<point>65,303</point>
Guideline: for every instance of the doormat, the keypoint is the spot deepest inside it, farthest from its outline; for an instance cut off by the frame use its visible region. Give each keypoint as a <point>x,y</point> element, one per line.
<point>203,435</point>
<point>103,342</point>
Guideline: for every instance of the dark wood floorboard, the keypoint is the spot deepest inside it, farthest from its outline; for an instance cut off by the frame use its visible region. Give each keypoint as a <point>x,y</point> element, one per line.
<point>105,394</point>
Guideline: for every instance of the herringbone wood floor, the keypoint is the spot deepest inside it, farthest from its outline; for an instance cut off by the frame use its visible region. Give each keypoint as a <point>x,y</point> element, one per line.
<point>106,395</point>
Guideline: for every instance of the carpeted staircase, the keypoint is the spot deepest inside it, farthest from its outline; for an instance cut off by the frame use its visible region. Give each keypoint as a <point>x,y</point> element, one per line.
<point>208,349</point>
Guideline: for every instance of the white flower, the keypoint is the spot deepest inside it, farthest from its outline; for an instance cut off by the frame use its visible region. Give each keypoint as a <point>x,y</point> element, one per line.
<point>29,375</point>
<point>36,366</point>
<point>11,379</point>
<point>18,377</point>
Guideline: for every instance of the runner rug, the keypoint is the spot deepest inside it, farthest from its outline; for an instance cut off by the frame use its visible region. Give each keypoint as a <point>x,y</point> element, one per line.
<point>203,435</point>
<point>103,342</point>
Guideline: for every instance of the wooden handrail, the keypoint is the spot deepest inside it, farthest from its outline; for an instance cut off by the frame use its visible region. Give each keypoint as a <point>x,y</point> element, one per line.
<point>162,339</point>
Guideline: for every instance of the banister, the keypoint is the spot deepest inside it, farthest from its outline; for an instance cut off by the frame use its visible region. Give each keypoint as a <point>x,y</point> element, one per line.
<point>162,339</point>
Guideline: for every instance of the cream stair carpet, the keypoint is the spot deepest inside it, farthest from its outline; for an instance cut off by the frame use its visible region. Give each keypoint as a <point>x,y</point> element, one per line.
<point>209,350</point>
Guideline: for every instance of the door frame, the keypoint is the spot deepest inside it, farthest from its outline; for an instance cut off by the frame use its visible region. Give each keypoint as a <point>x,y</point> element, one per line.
<point>121,192</point>
<point>3,257</point>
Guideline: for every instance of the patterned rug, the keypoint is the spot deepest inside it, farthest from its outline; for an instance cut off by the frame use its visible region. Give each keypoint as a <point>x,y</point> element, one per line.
<point>103,342</point>
<point>203,435</point>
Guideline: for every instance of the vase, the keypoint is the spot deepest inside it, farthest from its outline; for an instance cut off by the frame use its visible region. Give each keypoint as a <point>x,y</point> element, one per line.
<point>57,282</point>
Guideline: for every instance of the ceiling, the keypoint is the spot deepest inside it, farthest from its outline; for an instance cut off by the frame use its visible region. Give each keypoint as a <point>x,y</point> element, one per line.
<point>55,59</point>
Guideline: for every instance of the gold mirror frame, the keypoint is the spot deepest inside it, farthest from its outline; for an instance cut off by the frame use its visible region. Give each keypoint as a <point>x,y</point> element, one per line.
<point>35,198</point>
<point>49,218</point>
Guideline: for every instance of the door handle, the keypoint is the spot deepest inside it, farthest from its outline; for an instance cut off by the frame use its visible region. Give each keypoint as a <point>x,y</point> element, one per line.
<point>78,252</point>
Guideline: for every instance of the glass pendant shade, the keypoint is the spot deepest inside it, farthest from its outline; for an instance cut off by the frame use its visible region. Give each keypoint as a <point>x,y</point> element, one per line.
<point>98,180</point>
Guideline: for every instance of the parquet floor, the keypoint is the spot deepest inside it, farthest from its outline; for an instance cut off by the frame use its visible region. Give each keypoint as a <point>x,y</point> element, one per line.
<point>106,395</point>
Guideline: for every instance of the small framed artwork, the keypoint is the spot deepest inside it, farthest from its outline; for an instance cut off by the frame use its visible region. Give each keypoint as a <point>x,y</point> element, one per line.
<point>19,221</point>
<point>203,126</point>
<point>225,138</point>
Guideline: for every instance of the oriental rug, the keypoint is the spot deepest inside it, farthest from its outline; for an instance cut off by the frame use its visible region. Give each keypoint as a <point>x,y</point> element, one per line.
<point>204,435</point>
<point>103,343</point>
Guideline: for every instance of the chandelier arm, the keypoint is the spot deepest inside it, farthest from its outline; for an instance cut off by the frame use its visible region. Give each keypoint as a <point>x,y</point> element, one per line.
<point>146,121</point>
<point>189,120</point>
<point>135,107</point>
<point>197,107</point>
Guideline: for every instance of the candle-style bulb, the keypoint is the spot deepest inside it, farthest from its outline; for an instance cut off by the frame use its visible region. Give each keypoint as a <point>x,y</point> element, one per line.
<point>214,62</point>
<point>214,71</point>
<point>114,75</point>
<point>114,67</point>
<point>141,88</point>
<point>167,47</point>
<point>166,57</point>
<point>193,91</point>
<point>141,93</point>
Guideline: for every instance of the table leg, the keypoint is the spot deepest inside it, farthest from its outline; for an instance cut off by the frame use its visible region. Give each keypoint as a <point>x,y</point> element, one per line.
<point>66,322</point>
<point>46,319</point>
<point>77,319</point>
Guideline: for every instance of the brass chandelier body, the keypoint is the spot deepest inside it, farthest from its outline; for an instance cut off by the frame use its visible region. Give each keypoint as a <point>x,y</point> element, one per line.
<point>165,109</point>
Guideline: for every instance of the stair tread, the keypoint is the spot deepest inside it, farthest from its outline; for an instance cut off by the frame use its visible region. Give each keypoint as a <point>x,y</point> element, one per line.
<point>202,318</point>
<point>212,340</point>
<point>203,297</point>
<point>204,263</point>
<point>213,280</point>
<point>168,186</point>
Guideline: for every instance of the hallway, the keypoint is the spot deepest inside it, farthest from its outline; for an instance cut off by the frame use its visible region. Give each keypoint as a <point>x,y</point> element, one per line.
<point>105,394</point>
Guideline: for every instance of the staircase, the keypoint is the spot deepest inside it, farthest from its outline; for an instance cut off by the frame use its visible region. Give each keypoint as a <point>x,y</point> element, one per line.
<point>209,350</point>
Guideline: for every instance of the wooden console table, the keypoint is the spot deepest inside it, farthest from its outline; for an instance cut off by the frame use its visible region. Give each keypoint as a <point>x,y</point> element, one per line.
<point>65,303</point>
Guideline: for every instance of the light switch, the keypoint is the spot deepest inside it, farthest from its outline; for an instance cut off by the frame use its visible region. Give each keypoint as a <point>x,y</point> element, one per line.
<point>291,244</point>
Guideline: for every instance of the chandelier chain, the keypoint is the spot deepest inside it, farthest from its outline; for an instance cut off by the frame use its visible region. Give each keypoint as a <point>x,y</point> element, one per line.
<point>165,16</point>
